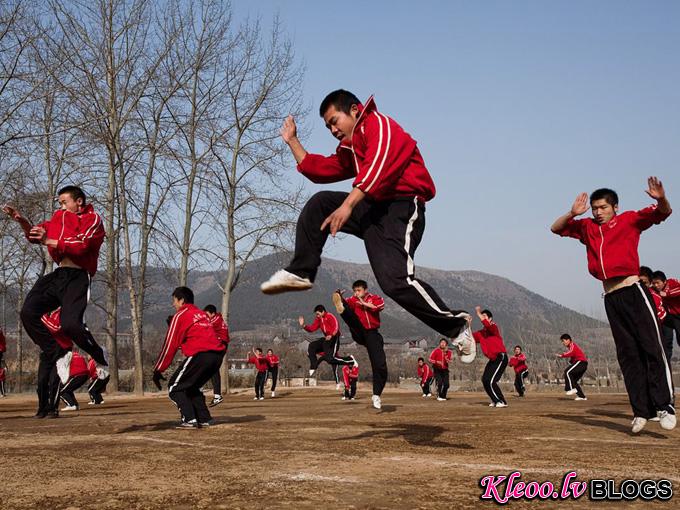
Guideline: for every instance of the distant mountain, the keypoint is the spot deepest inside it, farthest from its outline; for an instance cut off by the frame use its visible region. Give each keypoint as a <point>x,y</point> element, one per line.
<point>522,315</point>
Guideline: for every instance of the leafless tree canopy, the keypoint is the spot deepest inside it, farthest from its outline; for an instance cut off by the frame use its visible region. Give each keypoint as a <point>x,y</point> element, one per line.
<point>167,114</point>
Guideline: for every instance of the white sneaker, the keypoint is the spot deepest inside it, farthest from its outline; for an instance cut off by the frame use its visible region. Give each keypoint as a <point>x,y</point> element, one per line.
<point>581,398</point>
<point>501,404</point>
<point>311,372</point>
<point>571,392</point>
<point>465,342</point>
<point>423,395</point>
<point>64,366</point>
<point>638,424</point>
<point>377,403</point>
<point>428,395</point>
<point>337,302</point>
<point>261,398</point>
<point>492,404</point>
<point>102,371</point>
<point>91,403</point>
<point>256,398</point>
<point>344,398</point>
<point>666,420</point>
<point>283,281</point>
<point>273,394</point>
<point>338,386</point>
<point>656,418</point>
<point>441,399</point>
<point>69,408</point>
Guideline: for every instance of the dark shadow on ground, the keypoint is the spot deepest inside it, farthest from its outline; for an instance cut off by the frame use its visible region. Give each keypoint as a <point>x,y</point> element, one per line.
<point>415,434</point>
<point>616,427</point>
<point>388,408</point>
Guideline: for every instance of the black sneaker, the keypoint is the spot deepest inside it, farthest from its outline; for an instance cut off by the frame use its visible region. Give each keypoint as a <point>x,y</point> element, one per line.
<point>217,399</point>
<point>52,414</point>
<point>40,414</point>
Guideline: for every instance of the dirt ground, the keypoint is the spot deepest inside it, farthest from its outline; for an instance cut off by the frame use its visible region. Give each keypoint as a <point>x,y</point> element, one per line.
<point>308,449</point>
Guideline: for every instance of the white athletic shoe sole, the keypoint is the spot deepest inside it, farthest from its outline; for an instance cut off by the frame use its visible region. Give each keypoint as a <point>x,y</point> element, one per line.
<point>69,408</point>
<point>571,392</point>
<point>581,398</point>
<point>638,424</point>
<point>337,302</point>
<point>501,404</point>
<point>283,281</point>
<point>64,367</point>
<point>667,420</point>
<point>377,403</point>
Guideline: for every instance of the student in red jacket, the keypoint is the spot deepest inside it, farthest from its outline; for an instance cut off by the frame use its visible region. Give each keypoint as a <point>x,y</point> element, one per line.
<point>491,342</point>
<point>73,237</point>
<point>192,332</point>
<point>350,376</point>
<point>261,364</point>
<point>669,290</point>
<point>440,359</point>
<point>519,363</point>
<point>578,364</point>
<point>646,276</point>
<point>3,376</point>
<point>425,374</point>
<point>222,332</point>
<point>611,240</point>
<point>361,313</point>
<point>327,346</point>
<point>3,346</point>
<point>273,370</point>
<point>97,385</point>
<point>386,208</point>
<point>78,376</point>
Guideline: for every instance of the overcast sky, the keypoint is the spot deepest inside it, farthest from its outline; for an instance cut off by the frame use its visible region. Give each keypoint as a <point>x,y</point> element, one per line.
<point>517,107</point>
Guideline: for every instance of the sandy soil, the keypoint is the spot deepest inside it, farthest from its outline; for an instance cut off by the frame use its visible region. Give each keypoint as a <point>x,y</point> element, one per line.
<point>308,449</point>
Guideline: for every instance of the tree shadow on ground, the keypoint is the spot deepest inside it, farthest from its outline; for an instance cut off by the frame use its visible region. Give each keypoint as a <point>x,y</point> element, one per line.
<point>415,434</point>
<point>616,427</point>
<point>167,425</point>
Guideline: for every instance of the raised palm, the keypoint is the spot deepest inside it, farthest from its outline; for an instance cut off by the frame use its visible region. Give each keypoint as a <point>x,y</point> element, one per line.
<point>655,188</point>
<point>580,204</point>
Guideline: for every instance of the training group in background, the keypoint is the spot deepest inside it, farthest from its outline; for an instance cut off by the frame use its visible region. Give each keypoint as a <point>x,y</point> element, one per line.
<point>386,209</point>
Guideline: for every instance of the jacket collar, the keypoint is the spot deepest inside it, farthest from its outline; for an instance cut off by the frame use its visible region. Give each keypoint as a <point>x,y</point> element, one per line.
<point>364,109</point>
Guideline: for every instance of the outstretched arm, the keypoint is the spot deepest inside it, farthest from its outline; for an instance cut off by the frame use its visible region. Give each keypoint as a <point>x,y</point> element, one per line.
<point>289,134</point>
<point>579,206</point>
<point>656,191</point>
<point>16,216</point>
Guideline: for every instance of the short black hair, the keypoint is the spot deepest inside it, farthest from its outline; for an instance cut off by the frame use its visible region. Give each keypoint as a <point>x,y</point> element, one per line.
<point>270,350</point>
<point>565,336</point>
<point>184,293</point>
<point>646,271</point>
<point>210,309</point>
<point>659,275</point>
<point>75,193</point>
<point>444,340</point>
<point>258,349</point>
<point>520,347</point>
<point>605,193</point>
<point>360,283</point>
<point>168,320</point>
<point>421,359</point>
<point>488,313</point>
<point>319,308</point>
<point>341,99</point>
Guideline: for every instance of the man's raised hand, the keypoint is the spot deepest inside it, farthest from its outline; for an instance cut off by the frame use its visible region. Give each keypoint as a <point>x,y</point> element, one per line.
<point>655,188</point>
<point>580,204</point>
<point>288,130</point>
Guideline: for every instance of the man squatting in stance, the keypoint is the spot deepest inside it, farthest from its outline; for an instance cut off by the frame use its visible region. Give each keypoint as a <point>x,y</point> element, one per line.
<point>191,331</point>
<point>611,241</point>
<point>386,208</point>
<point>73,237</point>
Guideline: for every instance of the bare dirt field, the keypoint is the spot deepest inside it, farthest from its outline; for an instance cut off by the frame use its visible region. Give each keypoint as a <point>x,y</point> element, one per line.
<point>308,449</point>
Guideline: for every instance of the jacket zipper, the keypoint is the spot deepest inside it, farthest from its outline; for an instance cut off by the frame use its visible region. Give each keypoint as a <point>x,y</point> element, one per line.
<point>604,273</point>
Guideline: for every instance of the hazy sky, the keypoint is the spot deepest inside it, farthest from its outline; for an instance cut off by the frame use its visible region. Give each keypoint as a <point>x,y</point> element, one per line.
<point>517,107</point>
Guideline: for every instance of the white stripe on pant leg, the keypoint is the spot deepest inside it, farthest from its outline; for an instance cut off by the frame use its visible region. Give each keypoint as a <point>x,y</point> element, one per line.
<point>571,385</point>
<point>652,312</point>
<point>492,379</point>
<point>410,265</point>
<point>179,376</point>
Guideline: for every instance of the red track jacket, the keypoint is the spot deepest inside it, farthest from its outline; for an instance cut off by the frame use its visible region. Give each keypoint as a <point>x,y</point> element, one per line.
<point>612,248</point>
<point>658,303</point>
<point>52,322</point>
<point>575,353</point>
<point>441,360</point>
<point>3,342</point>
<point>424,372</point>
<point>672,299</point>
<point>92,369</point>
<point>489,338</point>
<point>191,331</point>
<point>273,360</point>
<point>220,327</point>
<point>518,363</point>
<point>261,363</point>
<point>369,318</point>
<point>78,366</point>
<point>79,236</point>
<point>349,374</point>
<point>328,324</point>
<point>381,157</point>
